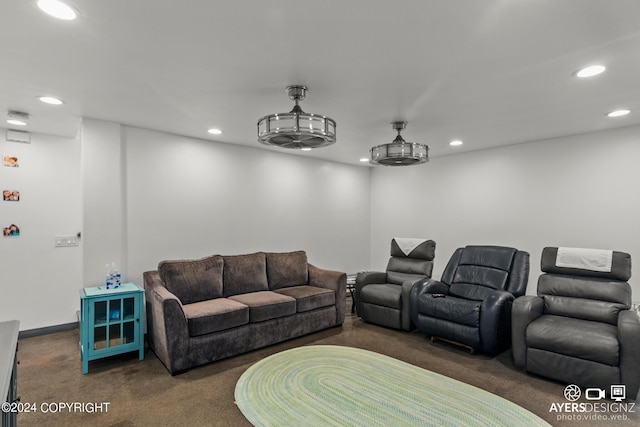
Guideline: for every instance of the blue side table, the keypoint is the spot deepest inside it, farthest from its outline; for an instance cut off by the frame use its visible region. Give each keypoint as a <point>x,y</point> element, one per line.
<point>111,322</point>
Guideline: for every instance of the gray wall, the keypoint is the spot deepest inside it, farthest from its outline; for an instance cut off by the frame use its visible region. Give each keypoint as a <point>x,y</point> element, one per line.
<point>140,196</point>
<point>103,204</point>
<point>578,191</point>
<point>177,197</point>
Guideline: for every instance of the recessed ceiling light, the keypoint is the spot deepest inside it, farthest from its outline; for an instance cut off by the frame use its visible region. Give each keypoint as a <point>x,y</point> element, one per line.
<point>51,100</point>
<point>214,131</point>
<point>16,122</point>
<point>57,9</point>
<point>455,142</point>
<point>305,149</point>
<point>590,71</point>
<point>618,113</point>
<point>364,159</point>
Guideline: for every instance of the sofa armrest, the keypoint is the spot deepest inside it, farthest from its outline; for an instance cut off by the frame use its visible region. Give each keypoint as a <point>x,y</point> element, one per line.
<point>335,280</point>
<point>495,321</point>
<point>629,337</point>
<point>167,327</point>
<point>525,309</point>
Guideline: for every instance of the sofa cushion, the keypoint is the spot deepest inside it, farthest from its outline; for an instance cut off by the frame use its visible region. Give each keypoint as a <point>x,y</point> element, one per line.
<point>266,305</point>
<point>309,297</point>
<point>244,274</point>
<point>287,269</point>
<point>215,315</point>
<point>193,280</point>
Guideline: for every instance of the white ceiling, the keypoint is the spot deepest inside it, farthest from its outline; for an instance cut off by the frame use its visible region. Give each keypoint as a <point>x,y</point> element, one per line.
<point>489,72</point>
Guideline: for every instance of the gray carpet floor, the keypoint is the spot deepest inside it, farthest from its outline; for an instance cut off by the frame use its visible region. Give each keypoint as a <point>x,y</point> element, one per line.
<point>143,393</point>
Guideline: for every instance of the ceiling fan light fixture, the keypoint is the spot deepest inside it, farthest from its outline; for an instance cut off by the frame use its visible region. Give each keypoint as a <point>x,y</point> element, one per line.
<point>296,129</point>
<point>399,152</point>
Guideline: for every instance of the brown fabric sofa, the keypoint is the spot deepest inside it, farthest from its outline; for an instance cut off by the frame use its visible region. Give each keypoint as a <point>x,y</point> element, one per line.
<point>199,311</point>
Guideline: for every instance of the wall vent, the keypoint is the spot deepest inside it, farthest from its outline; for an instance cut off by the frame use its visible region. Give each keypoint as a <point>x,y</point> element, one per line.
<point>18,136</point>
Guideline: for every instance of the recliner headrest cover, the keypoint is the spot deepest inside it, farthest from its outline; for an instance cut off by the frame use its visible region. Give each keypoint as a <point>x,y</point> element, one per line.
<point>620,266</point>
<point>415,248</point>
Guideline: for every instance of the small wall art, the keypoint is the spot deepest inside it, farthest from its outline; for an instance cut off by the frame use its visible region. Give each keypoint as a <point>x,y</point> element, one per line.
<point>10,195</point>
<point>11,161</point>
<point>11,231</point>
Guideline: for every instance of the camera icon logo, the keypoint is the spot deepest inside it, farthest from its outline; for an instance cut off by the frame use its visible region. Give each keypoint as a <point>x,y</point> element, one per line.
<point>594,393</point>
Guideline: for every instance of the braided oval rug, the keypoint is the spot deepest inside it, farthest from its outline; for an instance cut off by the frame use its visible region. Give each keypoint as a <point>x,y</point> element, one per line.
<point>325,385</point>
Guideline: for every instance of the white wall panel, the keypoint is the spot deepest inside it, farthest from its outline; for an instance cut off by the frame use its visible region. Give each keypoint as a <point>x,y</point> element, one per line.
<point>40,283</point>
<point>189,198</point>
<point>103,205</point>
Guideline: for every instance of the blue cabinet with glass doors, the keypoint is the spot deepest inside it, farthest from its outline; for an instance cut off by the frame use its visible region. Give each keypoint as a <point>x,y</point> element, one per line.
<point>111,322</point>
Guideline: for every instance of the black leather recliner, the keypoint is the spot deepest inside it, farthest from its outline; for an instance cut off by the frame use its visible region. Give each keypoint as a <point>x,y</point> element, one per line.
<point>471,304</point>
<point>382,297</point>
<point>580,329</point>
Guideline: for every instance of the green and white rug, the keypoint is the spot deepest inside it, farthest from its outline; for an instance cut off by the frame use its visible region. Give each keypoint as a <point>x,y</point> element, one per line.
<point>326,385</point>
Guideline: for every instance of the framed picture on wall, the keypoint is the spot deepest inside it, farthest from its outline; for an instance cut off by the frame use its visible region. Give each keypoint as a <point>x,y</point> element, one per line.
<point>10,195</point>
<point>11,161</point>
<point>11,231</point>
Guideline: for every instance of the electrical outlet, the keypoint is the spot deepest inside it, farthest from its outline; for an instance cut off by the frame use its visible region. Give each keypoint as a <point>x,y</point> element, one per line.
<point>65,241</point>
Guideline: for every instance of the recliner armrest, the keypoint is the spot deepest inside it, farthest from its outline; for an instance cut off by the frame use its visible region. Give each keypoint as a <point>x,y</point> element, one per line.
<point>525,309</point>
<point>629,337</point>
<point>407,287</point>
<point>495,321</point>
<point>364,278</point>
<point>432,286</point>
<point>421,287</point>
